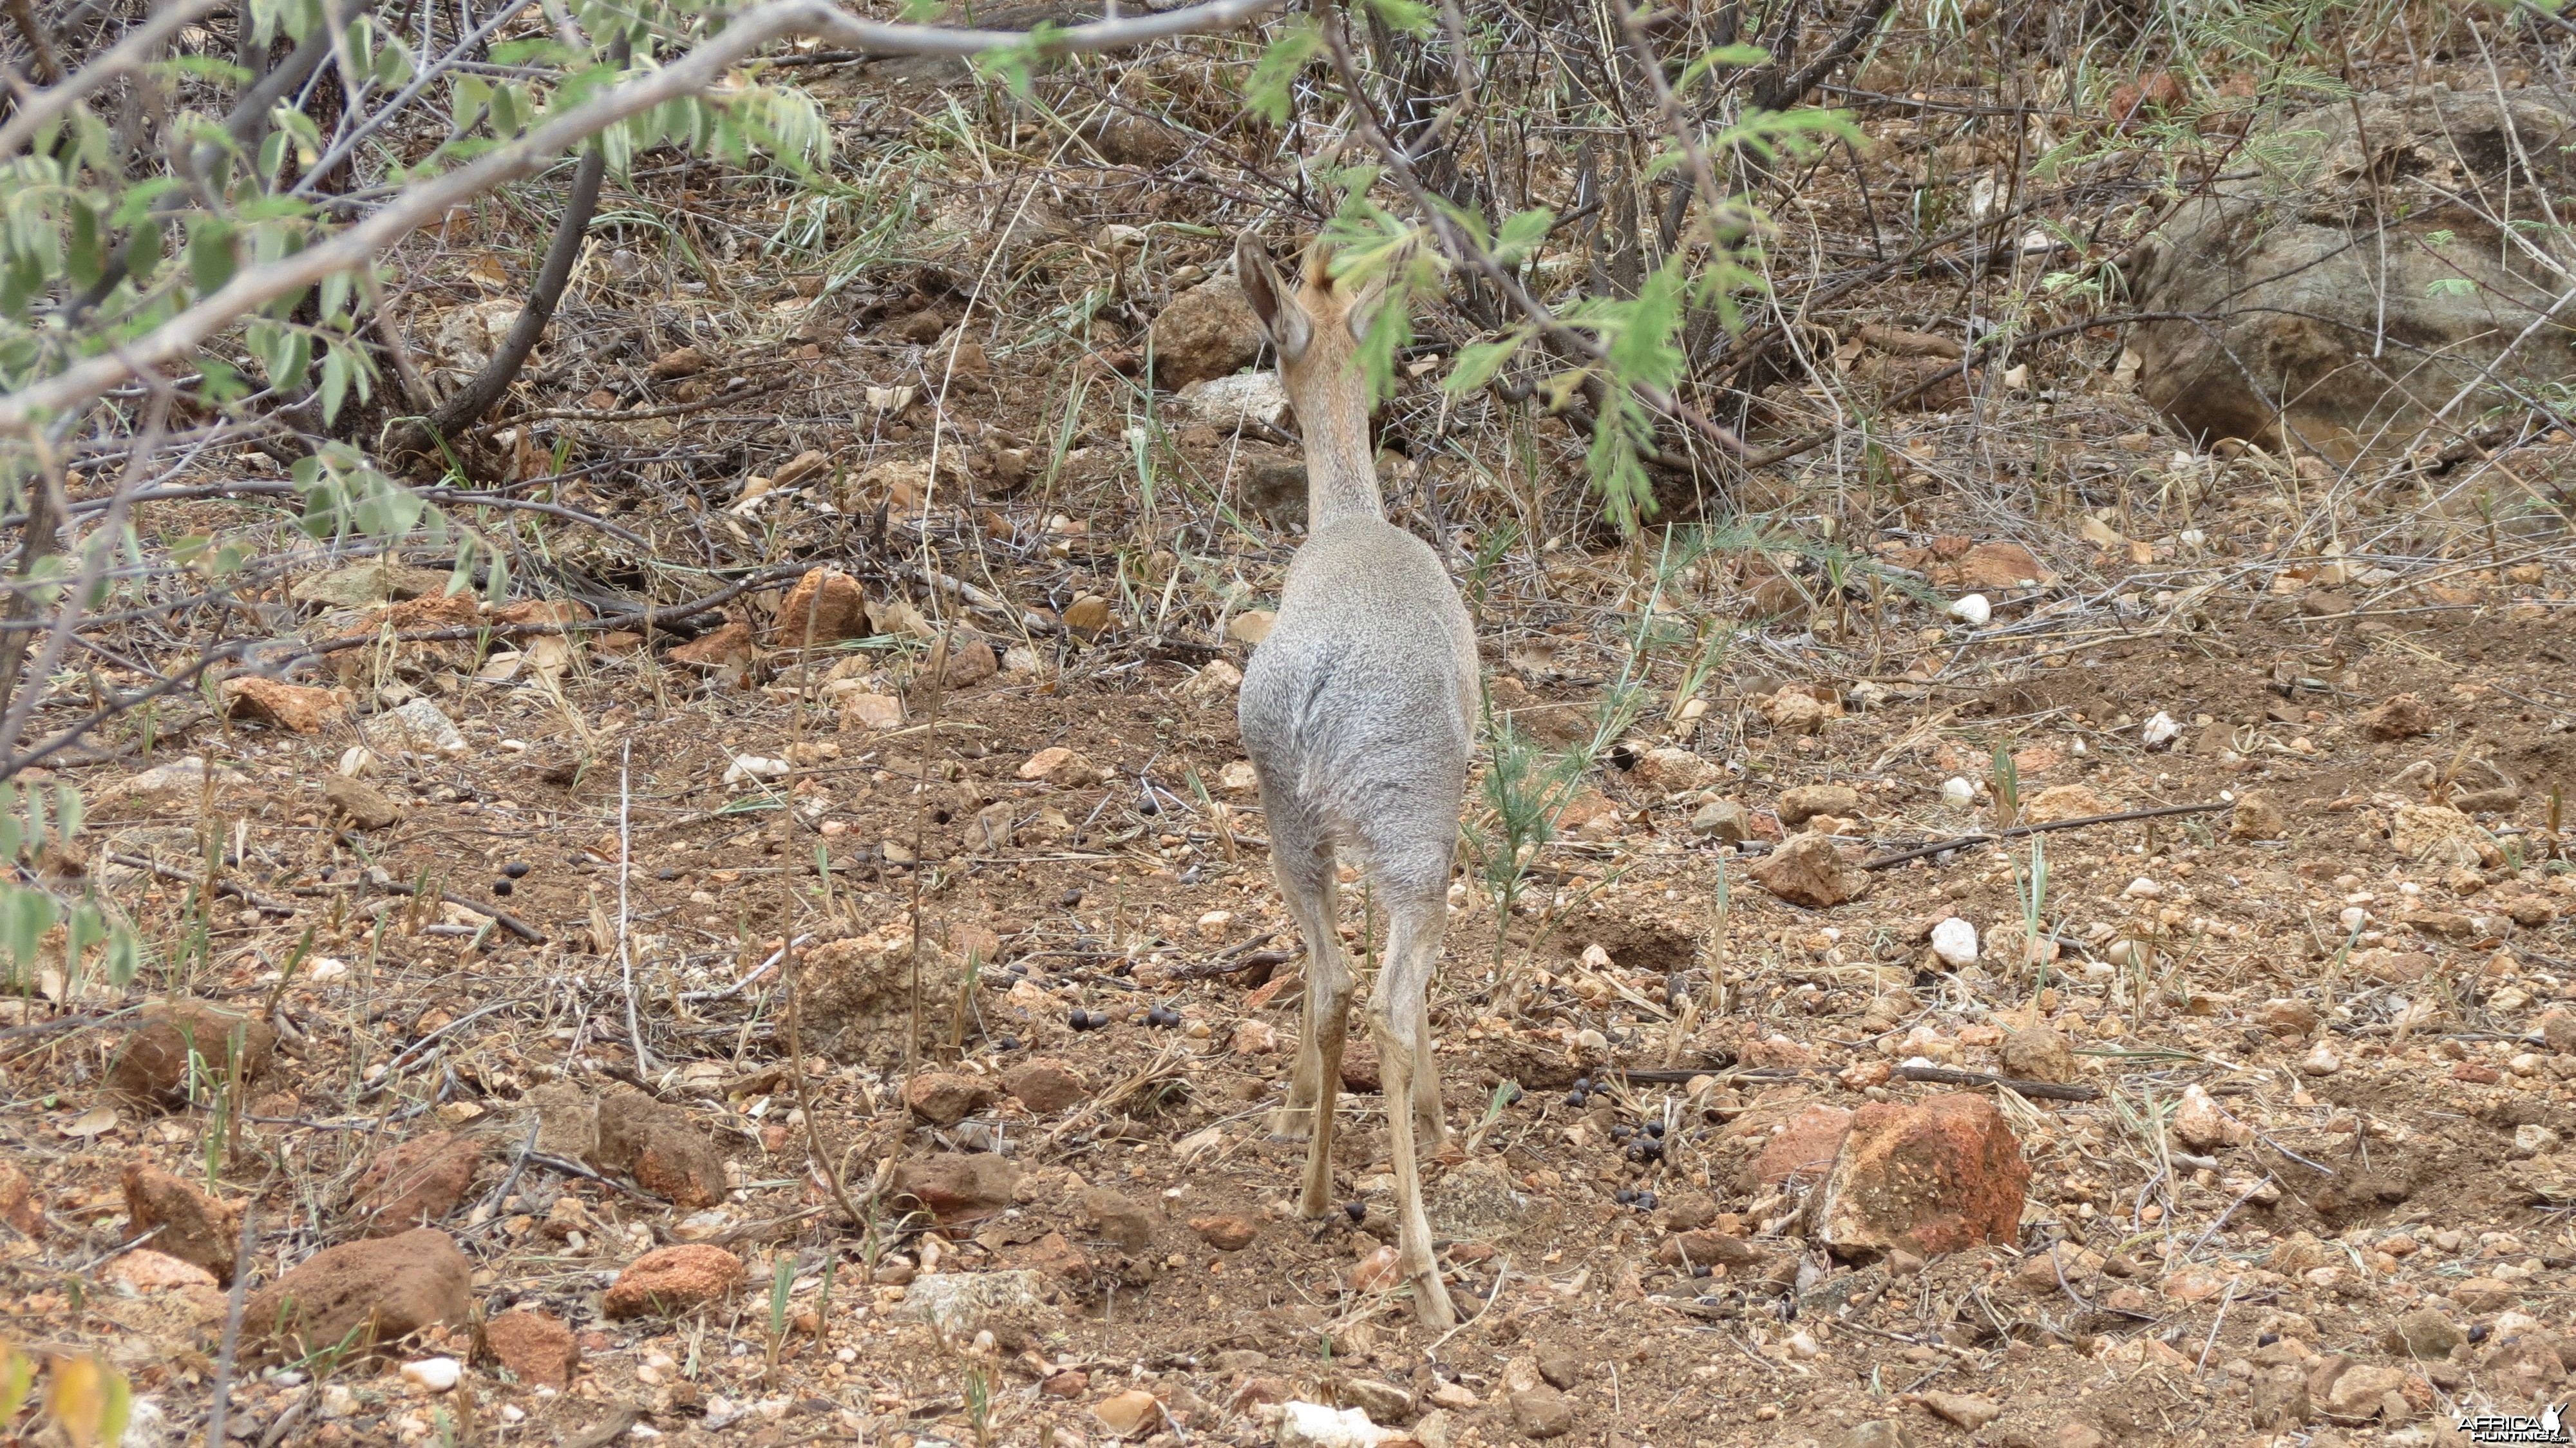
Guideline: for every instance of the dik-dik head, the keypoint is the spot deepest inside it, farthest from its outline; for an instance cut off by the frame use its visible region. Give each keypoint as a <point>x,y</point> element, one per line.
<point>1316,328</point>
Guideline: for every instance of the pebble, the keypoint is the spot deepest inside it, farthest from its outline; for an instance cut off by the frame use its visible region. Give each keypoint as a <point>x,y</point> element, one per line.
<point>436,1374</point>
<point>1955,941</point>
<point>2320,1062</point>
<point>1973,610</point>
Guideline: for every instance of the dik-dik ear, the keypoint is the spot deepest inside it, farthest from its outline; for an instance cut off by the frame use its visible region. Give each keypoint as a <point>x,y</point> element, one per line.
<point>1274,302</point>
<point>1363,309</point>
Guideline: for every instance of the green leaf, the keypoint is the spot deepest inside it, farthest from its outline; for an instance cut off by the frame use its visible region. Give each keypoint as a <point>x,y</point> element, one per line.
<point>1477,363</point>
<point>69,813</point>
<point>335,383</point>
<point>1405,17</point>
<point>471,98</point>
<point>1267,93</point>
<point>211,258</point>
<point>1522,233</point>
<point>84,255</point>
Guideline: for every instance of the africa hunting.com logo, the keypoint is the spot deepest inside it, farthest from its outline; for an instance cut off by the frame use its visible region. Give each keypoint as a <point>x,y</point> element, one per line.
<point>2515,1428</point>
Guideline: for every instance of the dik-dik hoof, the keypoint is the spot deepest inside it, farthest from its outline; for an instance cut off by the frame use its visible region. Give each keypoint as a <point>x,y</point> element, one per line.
<point>1292,1123</point>
<point>1431,1302</point>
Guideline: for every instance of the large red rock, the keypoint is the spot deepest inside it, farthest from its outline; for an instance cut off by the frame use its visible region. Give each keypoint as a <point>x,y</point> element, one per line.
<point>183,1038</point>
<point>957,1187</point>
<point>185,1222</point>
<point>415,1183</point>
<point>1940,1176</point>
<point>1803,1151</point>
<point>673,1280</point>
<point>826,605</point>
<point>537,1348</point>
<point>943,1098</point>
<point>20,1207</point>
<point>1047,1086</point>
<point>365,1293</point>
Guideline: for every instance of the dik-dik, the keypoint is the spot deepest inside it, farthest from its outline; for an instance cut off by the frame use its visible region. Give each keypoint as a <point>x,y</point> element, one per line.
<point>1358,713</point>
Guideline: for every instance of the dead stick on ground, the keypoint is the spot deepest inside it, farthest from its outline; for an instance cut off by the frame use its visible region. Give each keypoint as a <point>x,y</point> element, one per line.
<point>805,1098</point>
<point>1943,1075</point>
<point>1939,847</point>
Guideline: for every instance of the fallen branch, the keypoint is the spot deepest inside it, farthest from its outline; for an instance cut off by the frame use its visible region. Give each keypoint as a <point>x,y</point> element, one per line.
<point>1943,1075</point>
<point>1943,847</point>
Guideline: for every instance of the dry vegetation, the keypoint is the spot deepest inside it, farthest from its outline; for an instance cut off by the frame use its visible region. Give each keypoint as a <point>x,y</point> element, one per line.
<point>820,858</point>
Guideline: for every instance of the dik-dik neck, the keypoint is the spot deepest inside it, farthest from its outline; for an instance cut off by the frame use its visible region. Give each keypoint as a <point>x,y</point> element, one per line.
<point>1341,471</point>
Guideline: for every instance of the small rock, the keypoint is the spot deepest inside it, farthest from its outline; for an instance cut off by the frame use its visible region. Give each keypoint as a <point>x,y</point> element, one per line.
<point>1967,1410</point>
<point>723,651</point>
<point>670,1281</point>
<point>435,1375</point>
<point>826,606</point>
<point>2423,1333</point>
<point>2037,1053</point>
<point>1119,1219</point>
<point>1383,1402</point>
<point>1675,770</point>
<point>1726,821</point>
<point>1561,1369</point>
<point>186,1222</point>
<point>1062,767</point>
<point>1047,1086</point>
<point>1806,801</point>
<point>963,1302</point>
<point>1972,609</point>
<point>1226,1232</point>
<point>19,1205</point>
<point>2533,1139</point>
<point>1313,1425</point>
<point>943,1099</point>
<point>2402,717</point>
<point>871,712</point>
<point>1254,1037</point>
<point>567,1124</point>
<point>1686,1250</point>
<point>1955,941</point>
<point>299,708</point>
<point>1809,871</point>
<point>1380,1271</point>
<point>2063,802</point>
<point>2085,1435</point>
<point>1129,1413</point>
<point>1876,1433</point>
<point>2258,816</point>
<point>2360,1391</point>
<point>1251,626</point>
<point>2201,1125</point>
<point>957,1187</point>
<point>1937,1176</point>
<point>661,1148</point>
<point>2280,1399</point>
<point>2321,1061</point>
<point>362,1293</point>
<point>1542,1412</point>
<point>418,727</point>
<point>2484,1294</point>
<point>680,362</point>
<point>361,803</point>
<point>156,1062</point>
<point>1206,332</point>
<point>145,1270</point>
<point>971,661</point>
<point>536,1347</point>
<point>416,1182</point>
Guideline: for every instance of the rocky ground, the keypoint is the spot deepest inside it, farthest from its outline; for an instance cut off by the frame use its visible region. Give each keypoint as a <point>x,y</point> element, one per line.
<point>854,1016</point>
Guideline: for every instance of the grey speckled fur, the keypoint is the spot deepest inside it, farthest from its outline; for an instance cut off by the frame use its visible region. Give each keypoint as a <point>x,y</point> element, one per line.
<point>1358,712</point>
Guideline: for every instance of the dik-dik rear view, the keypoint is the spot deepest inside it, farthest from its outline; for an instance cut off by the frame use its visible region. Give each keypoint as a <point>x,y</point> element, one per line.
<point>1358,713</point>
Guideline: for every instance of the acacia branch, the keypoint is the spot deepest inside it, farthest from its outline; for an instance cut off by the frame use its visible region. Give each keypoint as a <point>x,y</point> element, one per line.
<point>699,71</point>
<point>132,53</point>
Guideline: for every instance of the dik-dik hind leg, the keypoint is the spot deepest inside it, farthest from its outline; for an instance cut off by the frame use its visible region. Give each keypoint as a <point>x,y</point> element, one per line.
<point>1430,1124</point>
<point>1398,1017</point>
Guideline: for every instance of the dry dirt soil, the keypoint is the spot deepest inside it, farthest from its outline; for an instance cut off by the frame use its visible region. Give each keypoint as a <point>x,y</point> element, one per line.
<point>926,1023</point>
